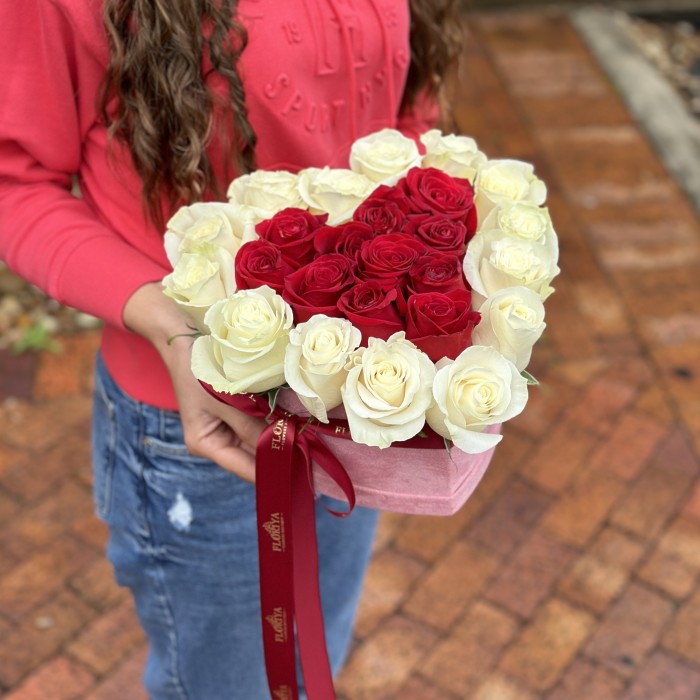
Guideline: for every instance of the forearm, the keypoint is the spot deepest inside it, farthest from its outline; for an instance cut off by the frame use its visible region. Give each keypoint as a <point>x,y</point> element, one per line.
<point>149,313</point>
<point>152,315</point>
<point>211,428</point>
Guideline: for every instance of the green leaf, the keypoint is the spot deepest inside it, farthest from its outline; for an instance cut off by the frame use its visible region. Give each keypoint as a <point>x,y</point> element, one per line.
<point>195,334</point>
<point>272,397</point>
<point>37,337</point>
<point>448,447</point>
<point>531,381</point>
<point>309,421</point>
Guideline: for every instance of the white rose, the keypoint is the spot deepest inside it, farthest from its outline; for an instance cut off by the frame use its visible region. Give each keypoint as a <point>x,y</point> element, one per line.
<point>512,321</point>
<point>387,391</point>
<point>384,156</point>
<point>479,388</point>
<point>457,156</point>
<point>506,180</point>
<point>314,363</point>
<point>336,191</point>
<point>249,336</point>
<point>524,220</point>
<point>208,223</point>
<point>495,261</point>
<point>201,279</point>
<point>266,192</point>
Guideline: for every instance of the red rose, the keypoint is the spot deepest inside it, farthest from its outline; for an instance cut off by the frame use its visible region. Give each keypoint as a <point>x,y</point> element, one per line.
<point>292,231</point>
<point>441,325</point>
<point>439,233</point>
<point>370,308</point>
<point>259,263</point>
<point>385,210</point>
<point>437,272</point>
<point>388,258</point>
<point>346,239</point>
<point>430,191</point>
<point>316,287</point>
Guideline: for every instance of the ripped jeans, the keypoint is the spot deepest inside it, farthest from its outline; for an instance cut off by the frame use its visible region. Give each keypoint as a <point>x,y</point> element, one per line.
<point>183,539</point>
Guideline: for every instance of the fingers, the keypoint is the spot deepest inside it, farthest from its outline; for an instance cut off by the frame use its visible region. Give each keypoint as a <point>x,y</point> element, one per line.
<point>212,429</point>
<point>220,444</point>
<point>239,461</point>
<point>247,428</point>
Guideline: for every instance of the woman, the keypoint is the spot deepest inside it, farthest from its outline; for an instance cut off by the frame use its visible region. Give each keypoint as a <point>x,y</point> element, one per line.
<point>152,104</point>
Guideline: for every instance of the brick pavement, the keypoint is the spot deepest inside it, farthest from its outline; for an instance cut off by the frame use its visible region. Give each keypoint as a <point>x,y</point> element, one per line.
<point>572,573</point>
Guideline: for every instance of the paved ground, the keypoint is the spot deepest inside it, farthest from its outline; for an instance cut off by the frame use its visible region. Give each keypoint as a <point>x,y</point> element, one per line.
<point>572,574</point>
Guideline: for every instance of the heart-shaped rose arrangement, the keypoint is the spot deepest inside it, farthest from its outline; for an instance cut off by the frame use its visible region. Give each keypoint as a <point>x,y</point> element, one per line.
<point>407,289</point>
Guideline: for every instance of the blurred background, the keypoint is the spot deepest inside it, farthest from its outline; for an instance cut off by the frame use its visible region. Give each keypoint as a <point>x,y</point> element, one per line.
<point>572,572</point>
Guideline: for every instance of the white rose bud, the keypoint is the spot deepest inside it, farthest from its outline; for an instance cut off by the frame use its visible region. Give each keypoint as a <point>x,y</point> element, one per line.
<point>524,220</point>
<point>226,225</point>
<point>457,156</point>
<point>512,321</point>
<point>495,261</point>
<point>249,336</point>
<point>337,191</point>
<point>384,156</point>
<point>266,192</point>
<point>479,388</point>
<point>199,280</point>
<point>506,181</point>
<point>387,391</point>
<point>314,363</point>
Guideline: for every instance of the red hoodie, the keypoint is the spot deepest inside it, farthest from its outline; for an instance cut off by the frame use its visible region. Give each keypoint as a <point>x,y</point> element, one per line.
<point>317,73</point>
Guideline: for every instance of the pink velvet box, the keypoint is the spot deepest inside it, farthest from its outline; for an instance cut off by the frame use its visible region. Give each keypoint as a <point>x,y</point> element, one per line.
<point>401,479</point>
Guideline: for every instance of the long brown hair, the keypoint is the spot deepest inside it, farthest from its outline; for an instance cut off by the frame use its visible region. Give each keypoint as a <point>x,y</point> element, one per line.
<point>156,99</point>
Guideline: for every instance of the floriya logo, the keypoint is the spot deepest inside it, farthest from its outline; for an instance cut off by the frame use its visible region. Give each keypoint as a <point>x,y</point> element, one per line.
<point>275,528</point>
<point>284,692</point>
<point>279,434</point>
<point>278,622</point>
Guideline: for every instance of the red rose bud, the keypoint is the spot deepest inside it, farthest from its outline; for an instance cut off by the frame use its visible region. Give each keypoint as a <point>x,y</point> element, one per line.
<point>371,310</point>
<point>385,210</point>
<point>441,325</point>
<point>258,263</point>
<point>437,272</point>
<point>346,239</point>
<point>292,231</point>
<point>389,258</point>
<point>430,191</point>
<point>439,232</point>
<point>316,287</point>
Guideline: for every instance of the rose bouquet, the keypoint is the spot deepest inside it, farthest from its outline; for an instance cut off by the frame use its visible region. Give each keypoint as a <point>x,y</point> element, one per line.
<point>393,304</point>
<point>404,293</point>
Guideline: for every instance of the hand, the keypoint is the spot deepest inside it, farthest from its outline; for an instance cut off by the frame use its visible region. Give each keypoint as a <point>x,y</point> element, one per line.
<point>211,429</point>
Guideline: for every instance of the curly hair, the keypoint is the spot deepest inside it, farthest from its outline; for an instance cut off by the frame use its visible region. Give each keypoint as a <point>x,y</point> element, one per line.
<point>155,97</point>
<point>436,40</point>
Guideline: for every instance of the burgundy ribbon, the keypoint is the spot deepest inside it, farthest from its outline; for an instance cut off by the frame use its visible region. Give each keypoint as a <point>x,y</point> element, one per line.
<point>289,590</point>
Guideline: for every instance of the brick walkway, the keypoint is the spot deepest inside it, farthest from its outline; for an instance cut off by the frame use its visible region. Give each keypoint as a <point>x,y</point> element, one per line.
<point>572,574</point>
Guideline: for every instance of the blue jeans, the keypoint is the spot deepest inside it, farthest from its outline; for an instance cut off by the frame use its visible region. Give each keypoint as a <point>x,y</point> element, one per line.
<point>183,539</point>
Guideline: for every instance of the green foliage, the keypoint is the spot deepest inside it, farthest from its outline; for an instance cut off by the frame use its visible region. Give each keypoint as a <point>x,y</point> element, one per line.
<point>448,447</point>
<point>531,381</point>
<point>195,334</point>
<point>37,338</point>
<point>272,397</point>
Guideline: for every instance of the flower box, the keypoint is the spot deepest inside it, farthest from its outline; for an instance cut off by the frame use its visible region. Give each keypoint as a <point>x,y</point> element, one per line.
<point>401,479</point>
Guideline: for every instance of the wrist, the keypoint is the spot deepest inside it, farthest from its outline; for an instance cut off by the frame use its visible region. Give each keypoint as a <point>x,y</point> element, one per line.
<point>154,316</point>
